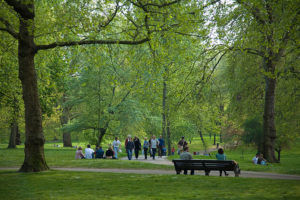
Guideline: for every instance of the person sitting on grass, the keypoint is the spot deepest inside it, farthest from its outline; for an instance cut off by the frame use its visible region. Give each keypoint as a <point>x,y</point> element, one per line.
<point>255,159</point>
<point>185,155</point>
<point>89,152</point>
<point>221,156</point>
<point>99,152</point>
<point>261,160</point>
<point>79,154</point>
<point>109,154</point>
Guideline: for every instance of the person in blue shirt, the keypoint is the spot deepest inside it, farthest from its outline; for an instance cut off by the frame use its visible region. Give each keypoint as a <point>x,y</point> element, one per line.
<point>221,156</point>
<point>99,152</point>
<point>160,146</point>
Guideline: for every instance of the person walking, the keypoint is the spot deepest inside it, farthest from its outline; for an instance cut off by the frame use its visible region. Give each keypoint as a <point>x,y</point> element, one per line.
<point>129,147</point>
<point>161,146</point>
<point>181,144</point>
<point>146,147</point>
<point>116,145</point>
<point>154,145</point>
<point>137,146</point>
<point>221,156</point>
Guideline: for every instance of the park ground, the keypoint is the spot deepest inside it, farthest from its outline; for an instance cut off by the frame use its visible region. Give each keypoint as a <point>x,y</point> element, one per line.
<point>84,184</point>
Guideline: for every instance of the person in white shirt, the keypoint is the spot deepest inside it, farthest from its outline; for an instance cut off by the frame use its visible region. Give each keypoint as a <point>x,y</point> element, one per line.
<point>89,152</point>
<point>255,159</point>
<point>154,144</point>
<point>116,145</point>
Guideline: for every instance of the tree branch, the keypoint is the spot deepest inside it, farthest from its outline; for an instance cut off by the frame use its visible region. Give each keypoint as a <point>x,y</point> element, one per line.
<point>26,11</point>
<point>8,28</point>
<point>87,42</point>
<point>255,11</point>
<point>109,20</point>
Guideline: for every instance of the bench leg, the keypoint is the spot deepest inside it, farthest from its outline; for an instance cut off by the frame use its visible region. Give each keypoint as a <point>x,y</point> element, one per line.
<point>178,171</point>
<point>207,173</point>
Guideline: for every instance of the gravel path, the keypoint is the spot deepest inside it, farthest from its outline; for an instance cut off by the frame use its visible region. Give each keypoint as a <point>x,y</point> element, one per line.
<point>244,174</point>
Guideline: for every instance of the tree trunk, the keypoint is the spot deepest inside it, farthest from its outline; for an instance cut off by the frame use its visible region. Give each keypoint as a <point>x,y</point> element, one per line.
<point>214,139</point>
<point>168,137</point>
<point>269,114</point>
<point>13,134</point>
<point>64,119</point>
<point>102,132</point>
<point>164,110</point>
<point>34,143</point>
<point>202,139</point>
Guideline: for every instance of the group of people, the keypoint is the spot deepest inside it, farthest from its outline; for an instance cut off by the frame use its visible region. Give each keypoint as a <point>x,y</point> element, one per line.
<point>110,153</point>
<point>259,159</point>
<point>152,146</point>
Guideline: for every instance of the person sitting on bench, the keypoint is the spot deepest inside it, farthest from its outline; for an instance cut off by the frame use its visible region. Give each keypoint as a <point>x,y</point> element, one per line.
<point>221,156</point>
<point>185,155</point>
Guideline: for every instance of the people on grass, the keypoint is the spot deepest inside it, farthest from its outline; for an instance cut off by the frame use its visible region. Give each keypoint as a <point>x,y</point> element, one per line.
<point>89,152</point>
<point>254,159</point>
<point>161,146</point>
<point>154,146</point>
<point>185,155</point>
<point>129,147</point>
<point>99,152</point>
<point>116,146</point>
<point>146,147</point>
<point>221,156</point>
<point>79,154</point>
<point>109,154</point>
<point>261,160</point>
<point>137,146</point>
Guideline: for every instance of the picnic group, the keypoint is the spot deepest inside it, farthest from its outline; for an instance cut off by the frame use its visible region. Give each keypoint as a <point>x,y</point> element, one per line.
<point>151,147</point>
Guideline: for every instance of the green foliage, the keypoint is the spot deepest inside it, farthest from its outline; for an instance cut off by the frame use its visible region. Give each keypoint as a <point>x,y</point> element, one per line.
<point>253,133</point>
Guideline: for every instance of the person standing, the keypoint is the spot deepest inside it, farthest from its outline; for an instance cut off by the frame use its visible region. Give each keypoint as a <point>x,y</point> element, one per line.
<point>185,155</point>
<point>129,147</point>
<point>154,145</point>
<point>181,144</point>
<point>137,146</point>
<point>221,156</point>
<point>161,146</point>
<point>116,145</point>
<point>89,152</point>
<point>146,147</point>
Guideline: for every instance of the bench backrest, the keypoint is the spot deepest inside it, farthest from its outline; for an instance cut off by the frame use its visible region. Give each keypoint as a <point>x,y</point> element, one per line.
<point>204,164</point>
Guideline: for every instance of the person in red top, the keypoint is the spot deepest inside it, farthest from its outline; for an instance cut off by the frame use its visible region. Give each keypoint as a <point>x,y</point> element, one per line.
<point>127,139</point>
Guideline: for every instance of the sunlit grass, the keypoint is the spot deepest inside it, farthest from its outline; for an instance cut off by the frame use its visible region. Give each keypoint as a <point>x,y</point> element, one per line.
<point>92,185</point>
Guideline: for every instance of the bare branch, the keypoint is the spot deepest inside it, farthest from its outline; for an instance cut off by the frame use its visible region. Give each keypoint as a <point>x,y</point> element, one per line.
<point>109,20</point>
<point>87,42</point>
<point>8,28</point>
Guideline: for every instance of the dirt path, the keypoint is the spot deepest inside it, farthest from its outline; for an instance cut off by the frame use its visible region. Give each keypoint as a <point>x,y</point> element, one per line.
<point>244,174</point>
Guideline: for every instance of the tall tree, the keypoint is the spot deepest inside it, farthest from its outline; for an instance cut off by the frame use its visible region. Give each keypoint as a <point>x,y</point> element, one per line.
<point>19,19</point>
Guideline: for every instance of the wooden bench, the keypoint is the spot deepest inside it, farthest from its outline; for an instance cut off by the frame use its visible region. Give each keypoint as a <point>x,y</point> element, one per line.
<point>206,165</point>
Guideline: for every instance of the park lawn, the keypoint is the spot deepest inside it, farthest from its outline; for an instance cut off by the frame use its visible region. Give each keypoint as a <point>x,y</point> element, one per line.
<point>289,164</point>
<point>92,185</point>
<point>65,157</point>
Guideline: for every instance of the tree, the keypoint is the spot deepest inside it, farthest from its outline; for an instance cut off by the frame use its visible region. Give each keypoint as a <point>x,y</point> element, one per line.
<point>267,29</point>
<point>24,17</point>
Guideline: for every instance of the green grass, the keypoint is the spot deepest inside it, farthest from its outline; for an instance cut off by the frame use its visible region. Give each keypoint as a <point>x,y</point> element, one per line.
<point>65,157</point>
<point>91,185</point>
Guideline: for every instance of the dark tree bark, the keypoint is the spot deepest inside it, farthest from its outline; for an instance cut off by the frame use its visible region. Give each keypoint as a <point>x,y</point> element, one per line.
<point>169,137</point>
<point>64,119</point>
<point>34,144</point>
<point>269,121</point>
<point>13,135</point>
<point>202,139</point>
<point>164,109</point>
<point>214,139</point>
<point>102,132</point>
